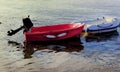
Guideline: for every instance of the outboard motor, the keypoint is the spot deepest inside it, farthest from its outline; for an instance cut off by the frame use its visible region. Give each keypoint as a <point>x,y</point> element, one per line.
<point>27,23</point>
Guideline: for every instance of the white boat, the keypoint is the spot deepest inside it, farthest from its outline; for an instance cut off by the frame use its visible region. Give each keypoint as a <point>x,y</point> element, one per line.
<point>105,24</point>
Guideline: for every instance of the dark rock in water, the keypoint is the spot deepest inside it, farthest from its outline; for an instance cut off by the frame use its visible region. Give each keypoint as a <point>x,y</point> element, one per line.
<point>0,22</point>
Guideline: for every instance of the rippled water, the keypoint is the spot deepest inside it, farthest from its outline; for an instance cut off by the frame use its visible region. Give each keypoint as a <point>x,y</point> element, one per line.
<point>73,55</point>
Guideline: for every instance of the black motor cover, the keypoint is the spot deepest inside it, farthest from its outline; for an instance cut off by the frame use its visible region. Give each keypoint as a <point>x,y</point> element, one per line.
<point>27,23</point>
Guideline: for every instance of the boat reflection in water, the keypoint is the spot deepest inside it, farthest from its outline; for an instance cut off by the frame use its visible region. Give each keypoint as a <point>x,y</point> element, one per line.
<point>68,45</point>
<point>102,36</point>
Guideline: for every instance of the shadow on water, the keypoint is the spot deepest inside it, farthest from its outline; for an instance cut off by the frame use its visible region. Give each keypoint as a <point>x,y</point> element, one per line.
<point>102,36</point>
<point>14,43</point>
<point>68,45</point>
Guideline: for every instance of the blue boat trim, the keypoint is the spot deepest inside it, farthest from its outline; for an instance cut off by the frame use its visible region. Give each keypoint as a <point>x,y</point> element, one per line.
<point>102,29</point>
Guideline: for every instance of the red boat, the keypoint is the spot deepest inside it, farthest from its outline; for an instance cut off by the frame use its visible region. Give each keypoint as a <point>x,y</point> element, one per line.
<point>53,32</point>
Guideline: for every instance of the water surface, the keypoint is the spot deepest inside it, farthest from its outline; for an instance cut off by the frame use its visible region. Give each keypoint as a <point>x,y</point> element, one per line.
<point>77,55</point>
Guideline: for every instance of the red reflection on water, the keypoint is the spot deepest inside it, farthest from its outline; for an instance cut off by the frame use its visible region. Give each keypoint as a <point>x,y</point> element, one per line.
<point>68,45</point>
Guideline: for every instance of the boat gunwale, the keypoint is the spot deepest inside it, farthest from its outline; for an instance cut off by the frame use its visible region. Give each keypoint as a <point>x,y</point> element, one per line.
<point>55,31</point>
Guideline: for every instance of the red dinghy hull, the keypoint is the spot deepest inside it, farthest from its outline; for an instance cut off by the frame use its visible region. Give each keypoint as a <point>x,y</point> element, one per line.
<point>53,32</point>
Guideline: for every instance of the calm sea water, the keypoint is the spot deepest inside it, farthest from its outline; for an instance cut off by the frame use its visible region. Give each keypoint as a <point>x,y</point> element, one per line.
<point>76,55</point>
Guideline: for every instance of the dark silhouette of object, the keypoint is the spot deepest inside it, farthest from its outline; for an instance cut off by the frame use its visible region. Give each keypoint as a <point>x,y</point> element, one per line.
<point>27,24</point>
<point>16,44</point>
<point>12,32</point>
